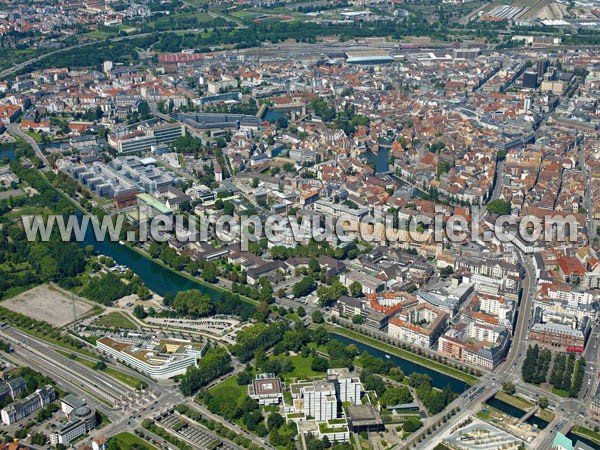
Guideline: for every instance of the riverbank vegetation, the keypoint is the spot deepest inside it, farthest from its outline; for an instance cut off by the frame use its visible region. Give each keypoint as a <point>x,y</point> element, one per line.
<point>421,360</point>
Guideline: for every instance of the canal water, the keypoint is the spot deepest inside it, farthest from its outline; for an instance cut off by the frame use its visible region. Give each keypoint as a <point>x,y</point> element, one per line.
<point>156,277</point>
<point>7,155</point>
<point>438,380</point>
<point>271,115</point>
<point>381,158</point>
<point>516,412</point>
<point>574,438</point>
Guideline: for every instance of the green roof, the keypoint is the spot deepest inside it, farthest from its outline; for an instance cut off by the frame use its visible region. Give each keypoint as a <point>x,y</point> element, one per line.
<point>154,203</point>
<point>562,442</point>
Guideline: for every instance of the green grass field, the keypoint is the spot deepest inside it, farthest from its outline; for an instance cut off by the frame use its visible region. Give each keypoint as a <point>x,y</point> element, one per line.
<point>115,320</point>
<point>228,389</point>
<point>560,392</point>
<point>302,370</point>
<point>126,378</point>
<point>131,441</point>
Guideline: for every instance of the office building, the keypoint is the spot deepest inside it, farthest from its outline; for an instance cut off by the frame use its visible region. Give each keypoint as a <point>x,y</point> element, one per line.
<point>266,389</point>
<point>157,358</point>
<point>81,421</point>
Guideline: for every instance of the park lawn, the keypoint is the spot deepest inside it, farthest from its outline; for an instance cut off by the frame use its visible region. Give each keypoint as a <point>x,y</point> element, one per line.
<point>302,370</point>
<point>121,376</point>
<point>560,392</point>
<point>103,420</point>
<point>132,441</point>
<point>16,290</point>
<point>293,316</point>
<point>546,415</point>
<point>116,320</point>
<point>586,432</point>
<point>74,357</point>
<point>484,415</point>
<point>100,34</point>
<point>203,18</point>
<point>405,354</point>
<point>44,337</point>
<point>37,137</point>
<point>197,2</point>
<point>229,389</point>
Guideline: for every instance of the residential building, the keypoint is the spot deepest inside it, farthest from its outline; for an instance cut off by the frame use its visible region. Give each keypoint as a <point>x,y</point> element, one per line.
<point>419,325</point>
<point>19,410</point>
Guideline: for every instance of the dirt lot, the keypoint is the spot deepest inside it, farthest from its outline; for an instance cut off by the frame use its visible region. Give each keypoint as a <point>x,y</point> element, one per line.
<point>48,303</point>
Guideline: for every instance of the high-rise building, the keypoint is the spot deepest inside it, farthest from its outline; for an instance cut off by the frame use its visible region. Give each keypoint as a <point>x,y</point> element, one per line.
<point>320,401</point>
<point>347,387</point>
<point>542,64</point>
<point>530,80</point>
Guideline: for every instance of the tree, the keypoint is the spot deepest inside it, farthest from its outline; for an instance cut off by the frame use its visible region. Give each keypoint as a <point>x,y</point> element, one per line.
<point>274,421</point>
<point>374,383</point>
<point>320,336</point>
<point>254,182</point>
<point>355,289</point>
<point>319,364</point>
<point>314,266</point>
<point>447,270</point>
<point>304,287</point>
<point>543,402</point>
<point>193,303</point>
<point>358,319</point>
<point>317,317</point>
<point>499,207</point>
<point>38,438</point>
<point>412,424</point>
<point>143,292</point>
<point>139,312</point>
<point>396,396</point>
<point>301,311</point>
<point>210,272</point>
<point>509,387</point>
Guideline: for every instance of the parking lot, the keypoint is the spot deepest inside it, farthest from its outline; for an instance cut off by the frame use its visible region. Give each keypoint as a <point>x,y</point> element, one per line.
<point>196,434</point>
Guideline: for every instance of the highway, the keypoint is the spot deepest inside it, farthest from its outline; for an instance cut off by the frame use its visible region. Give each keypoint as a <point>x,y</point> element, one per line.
<point>68,370</point>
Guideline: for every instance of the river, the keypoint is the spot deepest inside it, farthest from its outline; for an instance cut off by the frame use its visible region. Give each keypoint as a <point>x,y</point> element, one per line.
<point>157,278</point>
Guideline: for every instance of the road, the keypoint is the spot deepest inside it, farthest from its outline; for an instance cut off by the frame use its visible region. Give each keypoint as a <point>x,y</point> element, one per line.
<point>587,199</point>
<point>519,340</point>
